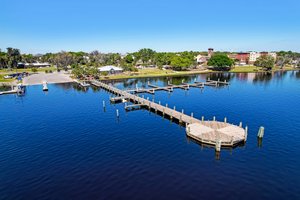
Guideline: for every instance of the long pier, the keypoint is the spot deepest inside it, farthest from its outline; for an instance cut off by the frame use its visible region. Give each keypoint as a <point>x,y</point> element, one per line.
<point>209,132</point>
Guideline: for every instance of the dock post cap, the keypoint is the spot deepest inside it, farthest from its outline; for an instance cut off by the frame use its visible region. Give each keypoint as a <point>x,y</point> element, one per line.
<point>246,133</point>
<point>261,132</point>
<point>218,145</point>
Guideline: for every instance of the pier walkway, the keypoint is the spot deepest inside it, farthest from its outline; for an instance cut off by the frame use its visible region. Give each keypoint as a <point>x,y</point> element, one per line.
<point>209,132</point>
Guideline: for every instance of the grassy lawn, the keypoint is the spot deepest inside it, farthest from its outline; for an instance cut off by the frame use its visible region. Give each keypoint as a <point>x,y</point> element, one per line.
<point>5,71</point>
<point>250,68</point>
<point>153,72</point>
<point>2,79</point>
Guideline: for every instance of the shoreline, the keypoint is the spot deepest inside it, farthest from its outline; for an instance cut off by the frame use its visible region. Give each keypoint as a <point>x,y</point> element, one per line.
<point>172,74</point>
<point>121,77</point>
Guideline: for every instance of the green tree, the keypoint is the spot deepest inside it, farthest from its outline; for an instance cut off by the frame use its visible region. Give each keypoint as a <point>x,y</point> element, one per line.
<point>180,63</point>
<point>14,56</point>
<point>3,59</point>
<point>128,59</point>
<point>146,55</point>
<point>266,62</point>
<point>220,62</point>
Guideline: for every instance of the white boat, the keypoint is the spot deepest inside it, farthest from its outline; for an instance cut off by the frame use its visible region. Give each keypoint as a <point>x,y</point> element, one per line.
<point>20,89</point>
<point>45,86</point>
<point>84,84</point>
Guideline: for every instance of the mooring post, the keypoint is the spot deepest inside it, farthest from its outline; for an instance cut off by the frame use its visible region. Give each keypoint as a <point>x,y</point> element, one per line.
<point>148,98</point>
<point>261,132</point>
<point>174,107</point>
<point>163,111</point>
<point>117,111</point>
<point>159,102</point>
<point>214,118</point>
<point>241,124</point>
<point>192,114</point>
<point>143,96</point>
<point>188,129</point>
<point>246,133</point>
<point>218,145</point>
<point>182,111</point>
<point>180,118</point>
<point>225,119</point>
<point>103,103</point>
<point>166,105</point>
<point>125,105</point>
<point>152,100</point>
<point>202,118</point>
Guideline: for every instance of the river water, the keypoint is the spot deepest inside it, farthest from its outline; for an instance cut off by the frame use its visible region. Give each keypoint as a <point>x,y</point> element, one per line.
<point>64,145</point>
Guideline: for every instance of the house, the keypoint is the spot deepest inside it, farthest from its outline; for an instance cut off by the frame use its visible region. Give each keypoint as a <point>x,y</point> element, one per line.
<point>201,59</point>
<point>244,58</point>
<point>37,64</point>
<point>110,69</point>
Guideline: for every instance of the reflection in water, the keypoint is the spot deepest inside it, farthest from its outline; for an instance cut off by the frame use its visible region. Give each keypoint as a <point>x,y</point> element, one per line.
<point>77,87</point>
<point>259,142</point>
<point>264,77</point>
<point>222,76</point>
<point>297,74</point>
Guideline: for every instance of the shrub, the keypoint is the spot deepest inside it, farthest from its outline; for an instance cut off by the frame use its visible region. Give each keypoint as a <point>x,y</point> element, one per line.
<point>34,70</point>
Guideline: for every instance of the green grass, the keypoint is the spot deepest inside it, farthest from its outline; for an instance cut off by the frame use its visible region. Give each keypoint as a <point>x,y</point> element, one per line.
<point>2,79</point>
<point>249,69</point>
<point>5,71</point>
<point>143,73</point>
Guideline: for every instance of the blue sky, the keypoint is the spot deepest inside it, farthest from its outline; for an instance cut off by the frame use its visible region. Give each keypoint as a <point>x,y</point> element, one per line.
<point>39,26</point>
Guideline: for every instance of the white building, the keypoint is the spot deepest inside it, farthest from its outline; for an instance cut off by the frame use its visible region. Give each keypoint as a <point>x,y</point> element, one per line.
<point>201,59</point>
<point>110,69</point>
<point>253,56</point>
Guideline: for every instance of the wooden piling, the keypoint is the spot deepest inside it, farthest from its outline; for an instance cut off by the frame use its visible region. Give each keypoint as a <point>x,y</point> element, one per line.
<point>218,145</point>
<point>261,132</point>
<point>246,133</point>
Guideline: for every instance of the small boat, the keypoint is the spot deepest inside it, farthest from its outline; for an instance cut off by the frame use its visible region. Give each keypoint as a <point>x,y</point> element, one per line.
<point>21,89</point>
<point>84,84</point>
<point>45,86</point>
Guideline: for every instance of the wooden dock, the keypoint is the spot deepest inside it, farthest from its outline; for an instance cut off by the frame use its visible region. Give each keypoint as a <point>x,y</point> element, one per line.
<point>170,87</point>
<point>208,132</point>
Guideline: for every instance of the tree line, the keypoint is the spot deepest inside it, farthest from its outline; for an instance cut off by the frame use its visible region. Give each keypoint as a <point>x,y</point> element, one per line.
<point>179,61</point>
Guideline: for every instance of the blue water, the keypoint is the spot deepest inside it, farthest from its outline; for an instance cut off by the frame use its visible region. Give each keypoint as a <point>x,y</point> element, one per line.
<point>64,145</point>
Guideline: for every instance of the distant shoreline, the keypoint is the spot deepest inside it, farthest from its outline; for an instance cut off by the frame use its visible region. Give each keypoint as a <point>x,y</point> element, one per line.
<point>151,75</point>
